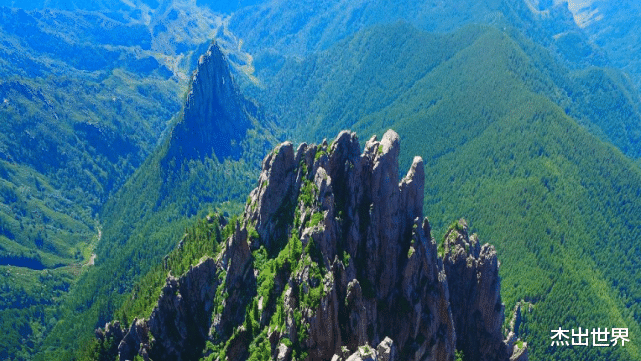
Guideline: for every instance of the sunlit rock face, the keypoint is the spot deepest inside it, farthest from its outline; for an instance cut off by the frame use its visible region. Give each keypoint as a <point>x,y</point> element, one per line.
<point>352,271</point>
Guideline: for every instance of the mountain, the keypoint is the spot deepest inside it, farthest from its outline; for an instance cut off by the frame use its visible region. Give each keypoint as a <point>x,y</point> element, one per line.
<point>63,140</point>
<point>188,174</point>
<point>310,94</point>
<point>65,145</point>
<point>331,257</point>
<point>72,5</point>
<point>580,77</point>
<point>227,6</point>
<point>121,6</point>
<point>491,114</point>
<point>527,121</point>
<point>613,26</point>
<point>215,118</point>
<point>276,29</point>
<point>84,98</point>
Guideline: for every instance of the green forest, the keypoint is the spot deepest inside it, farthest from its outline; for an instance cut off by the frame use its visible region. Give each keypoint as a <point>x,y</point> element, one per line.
<point>555,198</point>
<point>529,127</point>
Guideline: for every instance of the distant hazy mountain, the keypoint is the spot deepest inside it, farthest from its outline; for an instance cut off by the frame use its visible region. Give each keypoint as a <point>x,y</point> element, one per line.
<point>92,5</point>
<point>295,28</point>
<point>614,26</point>
<point>227,6</point>
<point>221,6</point>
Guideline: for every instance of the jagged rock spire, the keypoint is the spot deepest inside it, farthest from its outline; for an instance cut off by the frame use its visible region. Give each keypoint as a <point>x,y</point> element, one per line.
<point>348,270</point>
<point>394,286</point>
<point>215,117</point>
<point>473,278</point>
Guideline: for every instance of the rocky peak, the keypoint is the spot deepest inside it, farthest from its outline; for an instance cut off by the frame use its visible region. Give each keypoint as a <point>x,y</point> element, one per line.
<point>216,117</point>
<point>333,260</point>
<point>352,206</point>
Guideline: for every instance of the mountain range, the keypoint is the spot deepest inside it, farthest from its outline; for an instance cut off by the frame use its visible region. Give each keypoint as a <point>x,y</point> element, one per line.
<point>525,115</point>
<point>86,96</point>
<point>511,142</point>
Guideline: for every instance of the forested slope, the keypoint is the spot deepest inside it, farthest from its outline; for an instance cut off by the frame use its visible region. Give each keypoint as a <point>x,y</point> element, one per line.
<point>183,178</point>
<point>500,150</point>
<point>84,98</point>
<point>525,121</point>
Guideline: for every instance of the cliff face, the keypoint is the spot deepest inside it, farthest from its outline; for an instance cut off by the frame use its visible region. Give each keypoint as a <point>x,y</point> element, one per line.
<point>391,285</point>
<point>216,116</point>
<point>332,259</point>
<point>473,279</point>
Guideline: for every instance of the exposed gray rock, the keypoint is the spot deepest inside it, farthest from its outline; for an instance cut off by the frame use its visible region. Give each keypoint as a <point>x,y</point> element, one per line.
<point>112,331</point>
<point>385,351</point>
<point>284,353</point>
<point>474,285</point>
<point>135,342</point>
<point>239,286</point>
<point>216,116</point>
<point>325,334</point>
<point>520,353</point>
<point>515,324</point>
<point>179,323</point>
<point>357,267</point>
<point>392,285</point>
<point>518,350</point>
<point>271,203</point>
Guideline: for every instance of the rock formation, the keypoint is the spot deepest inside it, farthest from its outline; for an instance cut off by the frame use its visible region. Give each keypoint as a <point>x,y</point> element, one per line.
<point>392,285</point>
<point>178,324</point>
<point>333,260</point>
<point>216,116</point>
<point>473,280</point>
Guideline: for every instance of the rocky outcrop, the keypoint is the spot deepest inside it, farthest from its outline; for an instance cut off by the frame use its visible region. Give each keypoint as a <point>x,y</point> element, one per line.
<point>392,285</point>
<point>179,324</point>
<point>239,286</point>
<point>276,194</point>
<point>517,348</point>
<point>519,353</point>
<point>331,255</point>
<point>180,321</point>
<point>216,116</point>
<point>386,351</point>
<point>474,284</point>
<point>135,342</point>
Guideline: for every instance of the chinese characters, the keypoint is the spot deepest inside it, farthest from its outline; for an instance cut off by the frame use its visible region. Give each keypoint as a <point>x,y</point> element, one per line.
<point>598,338</point>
